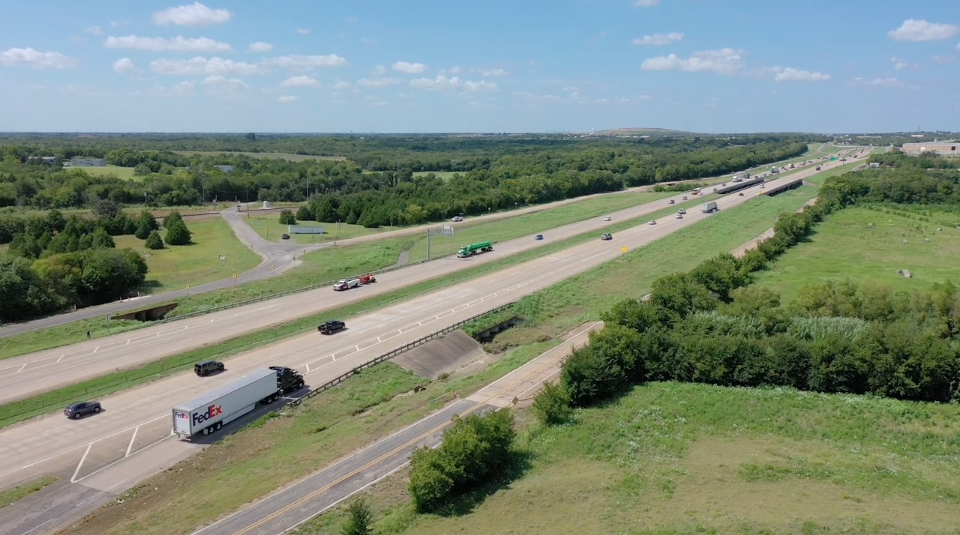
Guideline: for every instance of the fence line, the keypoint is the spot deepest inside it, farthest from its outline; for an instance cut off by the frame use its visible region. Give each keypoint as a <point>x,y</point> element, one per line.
<point>389,355</point>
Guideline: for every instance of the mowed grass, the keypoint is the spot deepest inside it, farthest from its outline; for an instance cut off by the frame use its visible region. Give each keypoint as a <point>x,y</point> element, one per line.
<point>670,459</point>
<point>19,492</point>
<point>846,246</point>
<point>104,170</point>
<point>260,458</point>
<point>269,228</point>
<point>443,175</point>
<point>271,155</point>
<point>175,267</point>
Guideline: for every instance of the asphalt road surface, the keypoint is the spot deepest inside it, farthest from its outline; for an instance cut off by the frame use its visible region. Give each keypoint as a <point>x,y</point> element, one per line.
<point>277,258</point>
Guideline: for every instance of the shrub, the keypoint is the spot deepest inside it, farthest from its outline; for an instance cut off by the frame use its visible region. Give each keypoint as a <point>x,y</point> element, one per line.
<point>143,231</point>
<point>177,233</point>
<point>552,404</point>
<point>287,218</point>
<point>153,241</point>
<point>359,518</point>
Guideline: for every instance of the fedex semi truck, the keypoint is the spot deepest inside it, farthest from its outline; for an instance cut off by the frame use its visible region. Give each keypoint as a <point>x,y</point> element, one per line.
<point>212,410</point>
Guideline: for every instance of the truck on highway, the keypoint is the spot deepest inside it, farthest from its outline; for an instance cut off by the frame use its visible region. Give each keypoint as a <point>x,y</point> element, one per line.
<point>212,410</point>
<point>346,284</point>
<point>709,207</point>
<point>474,248</point>
<point>367,279</point>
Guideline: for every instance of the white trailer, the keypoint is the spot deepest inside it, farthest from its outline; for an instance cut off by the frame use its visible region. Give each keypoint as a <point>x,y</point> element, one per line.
<point>709,207</point>
<point>212,410</point>
<point>346,284</point>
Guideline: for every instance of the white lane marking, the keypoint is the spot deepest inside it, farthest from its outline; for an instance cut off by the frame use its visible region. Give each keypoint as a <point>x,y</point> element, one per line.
<point>308,367</point>
<point>84,458</point>
<point>54,429</point>
<point>144,399</point>
<point>95,350</point>
<point>22,367</point>
<point>132,439</point>
<point>61,358</point>
<point>95,472</point>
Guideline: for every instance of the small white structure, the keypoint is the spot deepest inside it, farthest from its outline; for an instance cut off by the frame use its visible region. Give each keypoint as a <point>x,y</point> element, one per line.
<point>266,205</point>
<point>224,168</point>
<point>305,229</point>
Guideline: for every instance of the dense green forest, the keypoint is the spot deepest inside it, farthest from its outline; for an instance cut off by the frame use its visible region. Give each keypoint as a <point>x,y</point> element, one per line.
<point>711,326</point>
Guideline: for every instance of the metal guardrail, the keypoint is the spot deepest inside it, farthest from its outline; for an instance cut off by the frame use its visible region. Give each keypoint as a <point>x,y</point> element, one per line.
<point>393,353</point>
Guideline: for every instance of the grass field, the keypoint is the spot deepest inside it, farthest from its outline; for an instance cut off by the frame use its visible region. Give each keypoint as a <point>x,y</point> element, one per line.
<point>268,227</point>
<point>120,172</point>
<point>173,268</point>
<point>13,494</point>
<point>862,244</point>
<point>443,175</point>
<point>273,155</point>
<point>670,459</point>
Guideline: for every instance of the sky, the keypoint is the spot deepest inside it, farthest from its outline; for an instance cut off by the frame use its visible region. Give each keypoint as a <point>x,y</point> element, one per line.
<point>718,66</point>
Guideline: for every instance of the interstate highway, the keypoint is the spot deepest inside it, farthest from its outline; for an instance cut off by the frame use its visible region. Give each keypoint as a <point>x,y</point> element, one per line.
<point>139,416</point>
<point>46,370</point>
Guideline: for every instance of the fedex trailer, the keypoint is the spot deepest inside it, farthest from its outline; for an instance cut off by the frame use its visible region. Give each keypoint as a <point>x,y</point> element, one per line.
<point>209,412</point>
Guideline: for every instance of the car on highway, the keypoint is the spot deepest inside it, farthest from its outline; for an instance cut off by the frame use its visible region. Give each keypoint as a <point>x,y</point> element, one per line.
<point>684,197</point>
<point>672,201</point>
<point>681,211</point>
<point>606,218</point>
<point>331,326</point>
<point>78,409</point>
<point>679,215</point>
<point>606,236</point>
<point>206,367</point>
<point>538,237</point>
<point>284,236</point>
<point>652,222</point>
<point>457,219</point>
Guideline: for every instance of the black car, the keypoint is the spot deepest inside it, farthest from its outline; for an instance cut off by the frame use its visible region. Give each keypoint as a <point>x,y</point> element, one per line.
<point>331,327</point>
<point>206,367</point>
<point>284,236</point>
<point>79,408</point>
<point>606,236</point>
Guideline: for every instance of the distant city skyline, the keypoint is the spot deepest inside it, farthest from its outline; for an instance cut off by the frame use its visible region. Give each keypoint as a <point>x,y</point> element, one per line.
<point>429,66</point>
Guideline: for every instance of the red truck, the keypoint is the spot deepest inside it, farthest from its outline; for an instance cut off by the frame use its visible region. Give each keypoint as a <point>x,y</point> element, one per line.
<point>367,279</point>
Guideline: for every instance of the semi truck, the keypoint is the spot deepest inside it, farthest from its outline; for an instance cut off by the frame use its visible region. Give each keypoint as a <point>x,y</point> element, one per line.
<point>474,248</point>
<point>212,410</point>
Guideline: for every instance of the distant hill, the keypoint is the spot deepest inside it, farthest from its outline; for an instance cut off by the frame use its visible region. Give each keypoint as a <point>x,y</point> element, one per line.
<point>641,132</point>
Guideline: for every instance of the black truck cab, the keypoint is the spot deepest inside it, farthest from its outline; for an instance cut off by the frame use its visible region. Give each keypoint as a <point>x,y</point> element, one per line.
<point>288,379</point>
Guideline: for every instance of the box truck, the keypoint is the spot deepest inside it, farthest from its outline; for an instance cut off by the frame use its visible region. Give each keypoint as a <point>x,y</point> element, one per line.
<point>708,207</point>
<point>212,410</point>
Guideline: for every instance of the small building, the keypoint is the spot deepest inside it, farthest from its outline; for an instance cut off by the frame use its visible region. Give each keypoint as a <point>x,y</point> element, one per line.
<point>46,159</point>
<point>943,148</point>
<point>224,168</point>
<point>88,162</point>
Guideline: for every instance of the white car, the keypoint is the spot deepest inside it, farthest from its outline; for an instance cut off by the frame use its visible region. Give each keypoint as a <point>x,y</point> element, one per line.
<point>606,218</point>
<point>457,219</point>
<point>652,222</point>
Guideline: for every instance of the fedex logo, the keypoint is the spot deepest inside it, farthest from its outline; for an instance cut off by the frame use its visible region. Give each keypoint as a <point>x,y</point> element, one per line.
<point>212,411</point>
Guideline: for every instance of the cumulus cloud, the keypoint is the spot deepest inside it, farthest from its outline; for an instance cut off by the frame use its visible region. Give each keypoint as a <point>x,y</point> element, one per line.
<point>178,90</point>
<point>178,43</point>
<point>486,72</point>
<point>723,61</point>
<point>378,82</point>
<point>658,39</point>
<point>306,63</point>
<point>791,74</point>
<point>195,14</point>
<point>921,30</point>
<point>223,87</point>
<point>341,85</point>
<point>94,30</point>
<point>288,98</point>
<point>883,82</point>
<point>379,70</point>
<point>645,3</point>
<point>379,103</point>
<point>300,81</point>
<point>28,57</point>
<point>442,83</point>
<point>201,65</point>
<point>409,68</point>
<point>125,66</point>
<point>259,46</point>
<point>303,31</point>
<point>453,70</point>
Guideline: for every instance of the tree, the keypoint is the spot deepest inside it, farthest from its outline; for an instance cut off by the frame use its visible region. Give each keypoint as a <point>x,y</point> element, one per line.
<point>172,218</point>
<point>359,518</point>
<point>147,219</point>
<point>552,404</point>
<point>143,231</point>
<point>102,240</point>
<point>153,241</point>
<point>287,218</point>
<point>177,233</point>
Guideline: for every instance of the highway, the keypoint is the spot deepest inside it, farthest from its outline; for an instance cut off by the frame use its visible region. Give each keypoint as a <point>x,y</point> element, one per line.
<point>108,453</point>
<point>42,371</point>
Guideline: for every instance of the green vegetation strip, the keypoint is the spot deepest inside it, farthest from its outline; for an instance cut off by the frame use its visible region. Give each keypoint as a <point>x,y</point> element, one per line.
<point>19,492</point>
<point>20,410</point>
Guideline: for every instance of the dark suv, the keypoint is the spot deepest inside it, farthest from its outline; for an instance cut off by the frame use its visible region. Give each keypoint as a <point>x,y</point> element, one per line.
<point>79,408</point>
<point>206,367</point>
<point>331,327</point>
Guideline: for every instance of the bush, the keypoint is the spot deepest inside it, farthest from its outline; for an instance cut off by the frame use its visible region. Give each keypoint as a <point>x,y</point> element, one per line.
<point>287,218</point>
<point>359,518</point>
<point>305,214</point>
<point>143,231</point>
<point>153,241</point>
<point>177,233</point>
<point>552,404</point>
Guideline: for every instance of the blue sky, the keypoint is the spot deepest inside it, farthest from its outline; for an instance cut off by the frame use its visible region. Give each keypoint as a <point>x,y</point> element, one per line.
<point>483,66</point>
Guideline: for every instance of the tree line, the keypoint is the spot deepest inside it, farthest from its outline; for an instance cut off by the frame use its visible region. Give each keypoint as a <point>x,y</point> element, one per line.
<point>710,325</point>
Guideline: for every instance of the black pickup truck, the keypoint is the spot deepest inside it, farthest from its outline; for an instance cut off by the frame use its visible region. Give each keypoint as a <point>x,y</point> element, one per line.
<point>331,327</point>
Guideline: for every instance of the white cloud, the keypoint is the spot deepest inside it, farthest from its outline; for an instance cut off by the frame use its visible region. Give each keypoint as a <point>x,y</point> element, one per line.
<point>442,83</point>
<point>378,82</point>
<point>379,103</point>
<point>201,65</point>
<point>658,39</point>
<point>454,70</point>
<point>303,31</point>
<point>222,81</point>
<point>724,61</point>
<point>341,85</point>
<point>16,57</point>
<point>883,82</point>
<point>899,63</point>
<point>288,98</point>
<point>178,43</point>
<point>125,66</point>
<point>351,20</point>
<point>368,40</point>
<point>379,70</point>
<point>94,30</point>
<point>409,68</point>
<point>195,14</point>
<point>791,74</point>
<point>645,3</point>
<point>487,72</point>
<point>306,63</point>
<point>526,95</point>
<point>921,30</point>
<point>178,90</point>
<point>300,81</point>
<point>223,87</point>
<point>259,46</point>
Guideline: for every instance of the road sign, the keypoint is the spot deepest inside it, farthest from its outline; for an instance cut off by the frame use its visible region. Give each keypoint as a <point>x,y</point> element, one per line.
<point>624,248</point>
<point>447,230</point>
<point>234,275</point>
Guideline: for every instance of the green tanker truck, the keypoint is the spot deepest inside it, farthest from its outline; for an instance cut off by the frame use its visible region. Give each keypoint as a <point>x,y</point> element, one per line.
<point>474,248</point>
